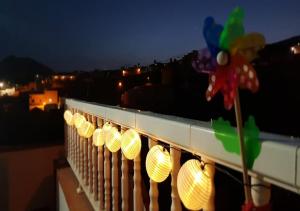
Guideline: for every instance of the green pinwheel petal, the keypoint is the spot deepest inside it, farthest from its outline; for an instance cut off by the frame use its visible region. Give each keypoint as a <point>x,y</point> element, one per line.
<point>233,28</point>
<point>227,134</point>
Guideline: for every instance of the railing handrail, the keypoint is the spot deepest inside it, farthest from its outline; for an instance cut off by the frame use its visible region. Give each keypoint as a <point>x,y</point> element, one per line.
<point>278,163</point>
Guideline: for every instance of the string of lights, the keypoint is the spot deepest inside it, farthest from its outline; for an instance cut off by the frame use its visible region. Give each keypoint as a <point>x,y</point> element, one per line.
<point>194,179</point>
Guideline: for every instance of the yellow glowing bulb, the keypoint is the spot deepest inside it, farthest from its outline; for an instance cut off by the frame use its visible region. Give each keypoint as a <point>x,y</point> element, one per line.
<point>131,144</point>
<point>194,185</point>
<point>68,116</point>
<point>113,139</point>
<point>78,120</point>
<point>158,163</point>
<point>107,126</point>
<point>86,129</point>
<point>98,137</point>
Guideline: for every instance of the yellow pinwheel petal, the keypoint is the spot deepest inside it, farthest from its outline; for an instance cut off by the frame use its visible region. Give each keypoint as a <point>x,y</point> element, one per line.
<point>248,45</point>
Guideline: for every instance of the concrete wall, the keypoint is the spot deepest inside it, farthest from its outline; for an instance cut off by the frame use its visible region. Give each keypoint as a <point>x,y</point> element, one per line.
<point>27,178</point>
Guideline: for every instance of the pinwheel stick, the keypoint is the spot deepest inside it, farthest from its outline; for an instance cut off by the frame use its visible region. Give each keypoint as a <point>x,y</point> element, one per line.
<point>239,122</point>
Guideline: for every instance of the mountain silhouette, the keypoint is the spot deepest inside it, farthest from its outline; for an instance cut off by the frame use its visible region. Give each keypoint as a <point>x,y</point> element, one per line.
<point>22,70</point>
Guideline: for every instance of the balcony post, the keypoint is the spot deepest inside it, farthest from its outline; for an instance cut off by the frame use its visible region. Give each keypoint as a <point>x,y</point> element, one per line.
<point>153,192</point>
<point>73,139</point>
<point>125,181</point>
<point>77,149</point>
<point>107,179</point>
<point>260,191</point>
<point>175,157</point>
<point>211,170</point>
<point>66,140</point>
<point>100,170</point>
<point>82,156</point>
<point>94,183</point>
<point>137,189</point>
<point>115,180</point>
<point>90,159</point>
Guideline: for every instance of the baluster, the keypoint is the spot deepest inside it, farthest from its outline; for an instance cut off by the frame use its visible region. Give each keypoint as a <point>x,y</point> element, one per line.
<point>153,192</point>
<point>85,154</point>
<point>81,166</point>
<point>115,181</point>
<point>211,171</point>
<point>94,182</point>
<point>175,157</point>
<point>107,177</point>
<point>74,142</point>
<point>125,181</point>
<point>90,169</point>
<point>260,194</point>
<point>100,171</point>
<point>66,141</point>
<point>137,189</point>
<point>77,148</point>
<point>73,137</point>
<point>69,153</point>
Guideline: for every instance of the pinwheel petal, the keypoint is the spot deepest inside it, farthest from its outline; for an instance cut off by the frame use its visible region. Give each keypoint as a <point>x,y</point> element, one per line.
<point>212,32</point>
<point>248,45</point>
<point>204,62</point>
<point>233,28</point>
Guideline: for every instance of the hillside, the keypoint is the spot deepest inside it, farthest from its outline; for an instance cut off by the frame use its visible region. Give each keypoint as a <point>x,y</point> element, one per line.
<point>21,70</point>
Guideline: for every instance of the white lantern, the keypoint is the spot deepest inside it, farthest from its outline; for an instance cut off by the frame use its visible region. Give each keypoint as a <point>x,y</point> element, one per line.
<point>158,163</point>
<point>86,129</point>
<point>78,120</point>
<point>98,137</point>
<point>194,185</point>
<point>113,139</point>
<point>68,116</point>
<point>131,144</point>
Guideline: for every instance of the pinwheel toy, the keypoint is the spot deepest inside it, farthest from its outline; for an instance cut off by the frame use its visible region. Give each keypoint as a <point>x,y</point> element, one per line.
<point>227,61</point>
<point>228,56</point>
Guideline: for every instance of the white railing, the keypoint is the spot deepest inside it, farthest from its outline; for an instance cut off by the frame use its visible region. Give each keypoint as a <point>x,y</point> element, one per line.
<point>97,169</point>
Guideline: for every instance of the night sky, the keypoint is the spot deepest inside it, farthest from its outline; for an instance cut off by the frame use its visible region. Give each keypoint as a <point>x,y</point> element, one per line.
<point>84,35</point>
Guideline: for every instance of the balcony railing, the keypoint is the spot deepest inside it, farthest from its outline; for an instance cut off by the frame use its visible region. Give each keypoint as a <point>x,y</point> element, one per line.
<point>105,176</point>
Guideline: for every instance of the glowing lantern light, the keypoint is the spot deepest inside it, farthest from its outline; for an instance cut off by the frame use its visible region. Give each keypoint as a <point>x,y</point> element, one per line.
<point>68,116</point>
<point>113,139</point>
<point>194,185</point>
<point>78,120</point>
<point>98,137</point>
<point>120,84</point>
<point>107,126</point>
<point>86,129</point>
<point>158,163</point>
<point>131,144</point>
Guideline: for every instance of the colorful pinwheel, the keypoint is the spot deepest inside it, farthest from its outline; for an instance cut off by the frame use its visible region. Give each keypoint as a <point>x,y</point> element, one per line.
<point>227,59</point>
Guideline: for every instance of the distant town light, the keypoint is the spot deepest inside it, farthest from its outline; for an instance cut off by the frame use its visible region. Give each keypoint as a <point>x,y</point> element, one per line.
<point>295,49</point>
<point>120,84</point>
<point>56,77</point>
<point>138,70</point>
<point>63,77</point>
<point>1,84</point>
<point>124,72</point>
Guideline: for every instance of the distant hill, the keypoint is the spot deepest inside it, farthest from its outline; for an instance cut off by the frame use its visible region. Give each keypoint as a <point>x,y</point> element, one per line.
<point>22,70</point>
